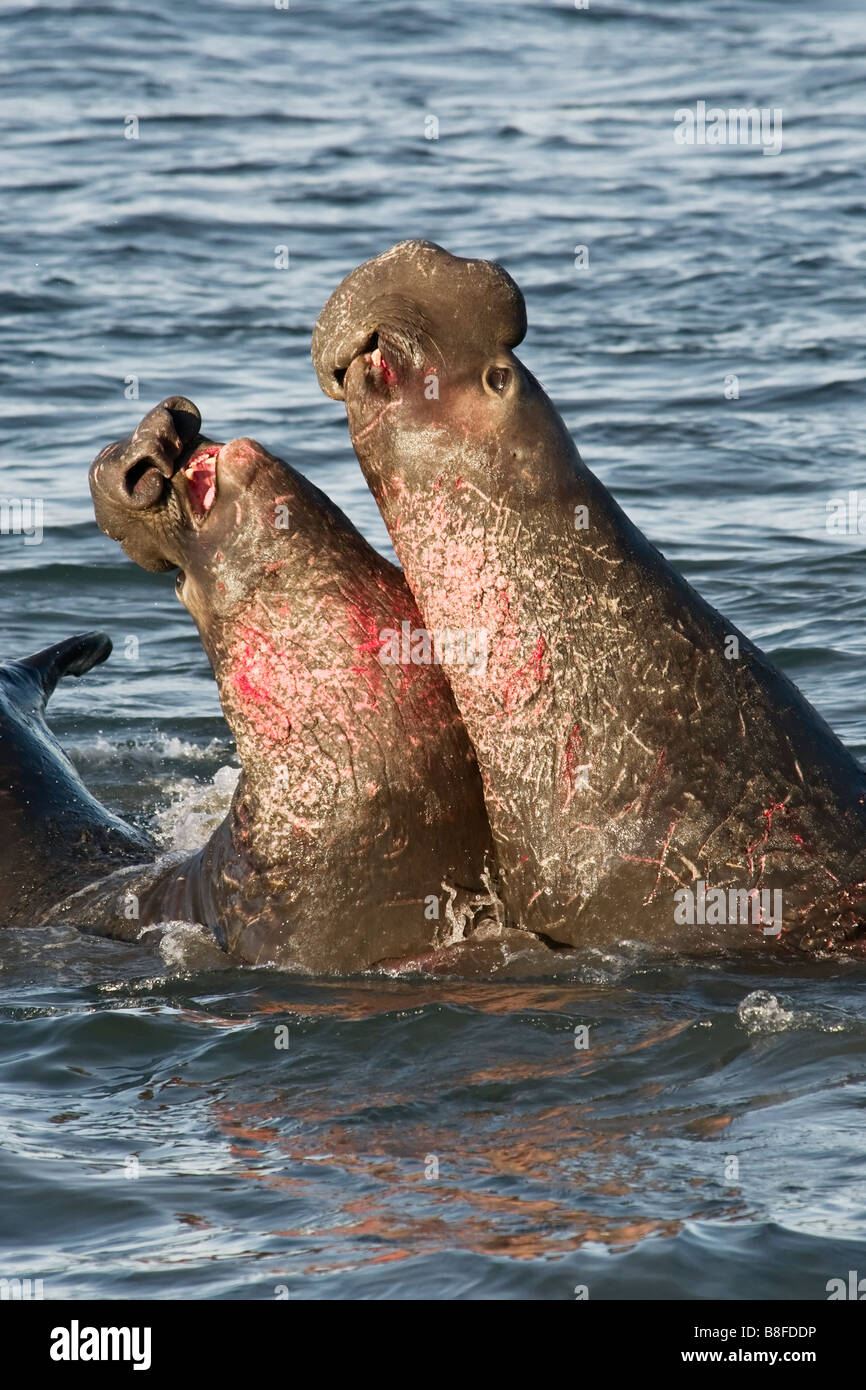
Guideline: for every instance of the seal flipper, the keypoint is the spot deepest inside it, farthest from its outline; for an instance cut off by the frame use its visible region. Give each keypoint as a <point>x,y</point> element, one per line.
<point>56,836</point>
<point>73,657</point>
<point>64,857</point>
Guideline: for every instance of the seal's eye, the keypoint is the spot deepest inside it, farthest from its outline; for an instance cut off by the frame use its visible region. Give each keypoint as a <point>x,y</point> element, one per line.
<point>496,379</point>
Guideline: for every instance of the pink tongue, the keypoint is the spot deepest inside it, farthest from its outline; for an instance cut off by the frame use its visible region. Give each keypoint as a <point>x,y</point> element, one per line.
<point>200,475</point>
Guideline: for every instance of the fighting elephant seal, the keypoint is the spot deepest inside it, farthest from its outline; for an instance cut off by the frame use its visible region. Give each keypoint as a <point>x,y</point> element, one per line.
<point>639,754</point>
<point>358,831</point>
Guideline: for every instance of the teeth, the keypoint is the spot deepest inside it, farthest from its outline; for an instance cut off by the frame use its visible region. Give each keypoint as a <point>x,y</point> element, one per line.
<point>376,357</point>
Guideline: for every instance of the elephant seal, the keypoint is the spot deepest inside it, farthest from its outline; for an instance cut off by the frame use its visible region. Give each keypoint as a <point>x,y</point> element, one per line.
<point>648,772</point>
<point>56,836</point>
<point>358,832</point>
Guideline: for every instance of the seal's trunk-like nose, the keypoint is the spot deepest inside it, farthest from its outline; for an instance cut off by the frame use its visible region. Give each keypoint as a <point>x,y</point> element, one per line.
<point>133,472</point>
<point>415,284</point>
<point>130,477</point>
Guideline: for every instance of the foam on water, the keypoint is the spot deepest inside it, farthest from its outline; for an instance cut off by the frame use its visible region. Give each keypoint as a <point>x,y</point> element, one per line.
<point>194,809</point>
<point>154,750</point>
<point>762,1012</point>
<point>186,947</point>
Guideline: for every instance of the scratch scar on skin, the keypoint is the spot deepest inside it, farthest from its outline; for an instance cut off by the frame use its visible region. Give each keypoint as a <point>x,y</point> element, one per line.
<point>373,423</point>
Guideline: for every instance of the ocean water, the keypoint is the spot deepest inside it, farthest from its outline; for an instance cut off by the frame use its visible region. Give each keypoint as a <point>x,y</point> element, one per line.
<point>421,1138</point>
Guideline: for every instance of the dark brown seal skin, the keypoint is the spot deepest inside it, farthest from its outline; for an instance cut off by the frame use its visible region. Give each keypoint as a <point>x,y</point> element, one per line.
<point>56,837</point>
<point>358,832</point>
<point>629,749</point>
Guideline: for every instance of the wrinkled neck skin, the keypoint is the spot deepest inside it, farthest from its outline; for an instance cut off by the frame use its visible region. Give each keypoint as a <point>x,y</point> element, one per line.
<point>317,719</point>
<point>359,796</point>
<point>624,752</point>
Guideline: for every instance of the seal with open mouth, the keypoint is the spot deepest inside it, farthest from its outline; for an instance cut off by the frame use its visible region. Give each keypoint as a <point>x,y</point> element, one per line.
<point>648,773</point>
<point>358,831</point>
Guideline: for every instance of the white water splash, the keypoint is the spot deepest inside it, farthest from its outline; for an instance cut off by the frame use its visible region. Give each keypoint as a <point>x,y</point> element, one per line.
<point>152,750</point>
<point>187,946</point>
<point>761,1012</point>
<point>195,809</point>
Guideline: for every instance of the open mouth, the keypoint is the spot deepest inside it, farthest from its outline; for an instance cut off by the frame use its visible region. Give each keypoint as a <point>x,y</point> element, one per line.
<point>380,365</point>
<point>378,370</point>
<point>200,474</point>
